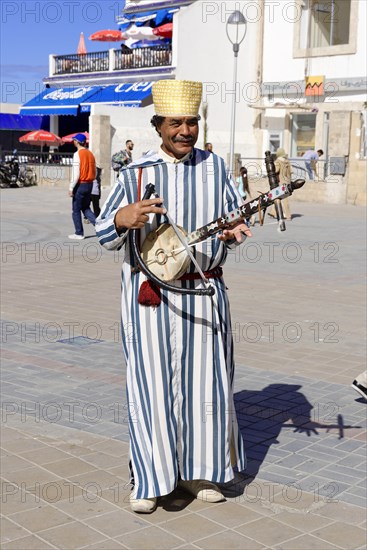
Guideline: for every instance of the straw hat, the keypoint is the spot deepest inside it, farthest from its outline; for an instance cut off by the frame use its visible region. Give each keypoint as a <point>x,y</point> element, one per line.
<point>177,97</point>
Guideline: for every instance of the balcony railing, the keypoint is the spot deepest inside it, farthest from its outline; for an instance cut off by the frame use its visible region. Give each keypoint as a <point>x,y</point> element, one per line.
<point>81,63</point>
<point>155,56</point>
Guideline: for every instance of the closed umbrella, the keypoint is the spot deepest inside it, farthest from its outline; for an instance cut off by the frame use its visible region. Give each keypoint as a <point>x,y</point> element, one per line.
<point>69,137</point>
<point>107,36</point>
<point>81,46</point>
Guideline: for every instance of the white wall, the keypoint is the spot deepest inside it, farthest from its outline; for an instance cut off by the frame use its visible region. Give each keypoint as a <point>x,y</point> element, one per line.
<point>10,108</point>
<point>279,63</point>
<point>204,53</point>
<point>130,123</point>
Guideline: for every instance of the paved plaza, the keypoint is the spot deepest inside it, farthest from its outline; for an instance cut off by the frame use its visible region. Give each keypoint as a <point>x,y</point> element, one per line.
<point>298,315</point>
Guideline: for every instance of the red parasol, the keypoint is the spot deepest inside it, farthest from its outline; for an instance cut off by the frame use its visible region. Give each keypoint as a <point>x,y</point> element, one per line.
<point>164,30</point>
<point>41,138</point>
<point>69,138</point>
<point>107,36</point>
<point>81,46</point>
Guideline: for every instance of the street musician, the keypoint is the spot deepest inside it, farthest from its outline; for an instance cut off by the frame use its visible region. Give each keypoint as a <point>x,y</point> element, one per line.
<point>180,365</point>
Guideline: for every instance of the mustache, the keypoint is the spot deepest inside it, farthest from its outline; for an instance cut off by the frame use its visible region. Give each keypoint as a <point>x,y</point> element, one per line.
<point>183,140</point>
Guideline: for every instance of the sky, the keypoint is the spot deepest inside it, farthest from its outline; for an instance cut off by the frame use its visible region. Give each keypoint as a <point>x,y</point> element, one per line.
<point>32,30</point>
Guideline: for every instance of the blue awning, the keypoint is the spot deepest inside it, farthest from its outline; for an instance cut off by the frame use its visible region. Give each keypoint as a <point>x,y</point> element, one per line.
<point>123,95</point>
<point>58,101</point>
<point>10,121</point>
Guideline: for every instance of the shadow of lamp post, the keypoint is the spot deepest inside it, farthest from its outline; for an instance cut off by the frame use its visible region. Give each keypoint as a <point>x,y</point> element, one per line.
<point>236,28</point>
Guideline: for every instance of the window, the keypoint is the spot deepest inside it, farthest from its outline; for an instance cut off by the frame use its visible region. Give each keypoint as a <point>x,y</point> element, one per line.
<point>303,134</point>
<point>326,27</point>
<point>329,23</point>
<point>275,141</point>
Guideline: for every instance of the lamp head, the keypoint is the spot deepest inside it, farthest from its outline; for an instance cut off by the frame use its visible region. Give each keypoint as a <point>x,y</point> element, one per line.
<point>236,28</point>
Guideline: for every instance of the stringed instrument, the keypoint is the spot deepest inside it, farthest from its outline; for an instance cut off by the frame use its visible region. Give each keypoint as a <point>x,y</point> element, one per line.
<point>163,253</point>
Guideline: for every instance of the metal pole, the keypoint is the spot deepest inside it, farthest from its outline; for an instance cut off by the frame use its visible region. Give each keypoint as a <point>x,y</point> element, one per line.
<point>231,167</point>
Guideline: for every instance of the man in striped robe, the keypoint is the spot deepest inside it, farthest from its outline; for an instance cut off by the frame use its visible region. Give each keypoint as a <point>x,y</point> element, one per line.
<point>179,355</point>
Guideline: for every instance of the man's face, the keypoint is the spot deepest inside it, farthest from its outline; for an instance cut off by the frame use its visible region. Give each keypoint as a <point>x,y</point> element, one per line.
<point>179,135</point>
<point>130,146</point>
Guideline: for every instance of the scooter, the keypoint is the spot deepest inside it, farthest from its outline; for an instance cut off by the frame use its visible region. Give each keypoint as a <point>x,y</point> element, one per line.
<point>11,175</point>
<point>27,177</point>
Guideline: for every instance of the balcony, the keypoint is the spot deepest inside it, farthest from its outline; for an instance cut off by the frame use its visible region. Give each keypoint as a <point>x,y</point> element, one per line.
<point>112,60</point>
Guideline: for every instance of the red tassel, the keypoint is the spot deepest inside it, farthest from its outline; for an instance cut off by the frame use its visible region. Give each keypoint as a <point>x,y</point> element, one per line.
<point>149,294</point>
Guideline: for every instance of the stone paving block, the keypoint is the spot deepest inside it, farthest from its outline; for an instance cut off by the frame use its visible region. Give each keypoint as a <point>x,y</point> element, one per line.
<point>14,499</point>
<point>337,476</point>
<point>11,531</point>
<point>341,511</point>
<point>150,538</point>
<point>40,518</point>
<point>336,453</point>
<point>64,536</point>
<point>192,527</point>
<point>116,523</point>
<point>306,542</point>
<point>85,506</point>
<point>277,478</point>
<point>230,515</point>
<point>312,454</point>
<point>305,522</point>
<point>351,445</point>
<point>344,470</point>
<point>267,531</point>
<point>321,487</point>
<point>353,499</point>
<point>311,466</point>
<point>342,535</point>
<point>230,540</point>
<point>28,478</point>
<point>12,463</point>
<point>108,544</point>
<point>31,542</point>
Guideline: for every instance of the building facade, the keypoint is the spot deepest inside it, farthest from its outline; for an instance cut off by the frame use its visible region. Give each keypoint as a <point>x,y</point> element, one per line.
<point>314,88</point>
<point>300,85</point>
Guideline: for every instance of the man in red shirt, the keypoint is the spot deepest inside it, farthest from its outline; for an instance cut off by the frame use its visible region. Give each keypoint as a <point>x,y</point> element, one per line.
<point>80,189</point>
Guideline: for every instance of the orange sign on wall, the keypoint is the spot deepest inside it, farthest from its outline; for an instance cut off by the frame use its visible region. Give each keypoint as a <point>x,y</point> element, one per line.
<point>314,85</point>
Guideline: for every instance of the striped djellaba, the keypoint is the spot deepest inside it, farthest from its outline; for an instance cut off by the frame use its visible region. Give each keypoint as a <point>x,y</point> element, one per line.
<point>179,355</point>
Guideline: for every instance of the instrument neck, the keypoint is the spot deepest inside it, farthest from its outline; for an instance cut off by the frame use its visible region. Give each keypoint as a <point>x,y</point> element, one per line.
<point>234,217</point>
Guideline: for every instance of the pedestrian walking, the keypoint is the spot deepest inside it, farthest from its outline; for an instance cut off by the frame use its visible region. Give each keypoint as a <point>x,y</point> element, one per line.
<point>80,189</point>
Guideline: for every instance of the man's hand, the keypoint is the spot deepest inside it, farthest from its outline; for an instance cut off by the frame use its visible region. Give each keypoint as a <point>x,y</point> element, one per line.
<point>236,232</point>
<point>135,215</point>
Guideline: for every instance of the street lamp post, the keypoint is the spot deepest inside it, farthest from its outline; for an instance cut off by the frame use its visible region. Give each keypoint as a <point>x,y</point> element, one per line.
<point>236,31</point>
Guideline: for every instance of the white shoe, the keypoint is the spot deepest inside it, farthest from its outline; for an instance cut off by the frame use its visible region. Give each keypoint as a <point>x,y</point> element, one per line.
<point>360,388</point>
<point>202,490</point>
<point>143,505</point>
<point>76,237</point>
